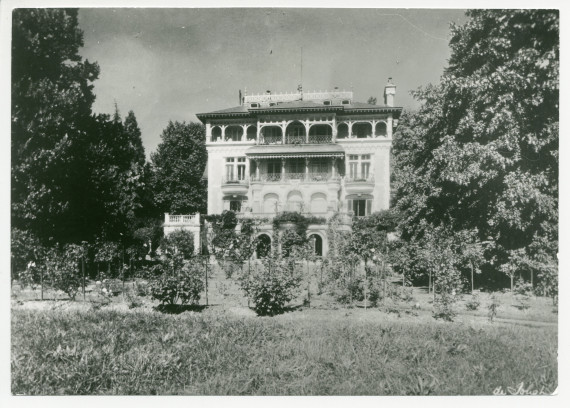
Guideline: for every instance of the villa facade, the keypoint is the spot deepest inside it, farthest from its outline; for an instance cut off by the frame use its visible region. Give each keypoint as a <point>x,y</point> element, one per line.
<point>317,153</point>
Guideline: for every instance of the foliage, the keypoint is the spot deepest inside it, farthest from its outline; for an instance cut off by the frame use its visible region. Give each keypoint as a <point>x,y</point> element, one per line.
<point>372,100</point>
<point>271,284</point>
<point>180,282</point>
<point>178,165</point>
<point>473,303</point>
<point>23,251</point>
<point>74,176</point>
<point>49,349</point>
<point>62,268</point>
<point>493,308</point>
<point>179,241</point>
<point>481,154</point>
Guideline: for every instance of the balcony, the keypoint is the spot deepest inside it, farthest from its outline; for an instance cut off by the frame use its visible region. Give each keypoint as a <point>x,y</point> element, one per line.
<point>295,177</point>
<point>181,220</point>
<point>235,185</point>
<point>359,184</point>
<point>270,139</point>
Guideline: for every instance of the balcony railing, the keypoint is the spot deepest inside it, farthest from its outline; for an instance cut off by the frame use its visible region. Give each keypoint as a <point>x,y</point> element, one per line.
<point>360,179</point>
<point>295,139</point>
<point>320,139</point>
<point>182,219</point>
<point>311,177</point>
<point>235,180</point>
<point>270,139</point>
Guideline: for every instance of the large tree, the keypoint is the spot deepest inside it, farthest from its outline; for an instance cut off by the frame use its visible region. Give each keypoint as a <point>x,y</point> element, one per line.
<point>178,166</point>
<point>481,154</point>
<point>74,175</point>
<point>52,94</point>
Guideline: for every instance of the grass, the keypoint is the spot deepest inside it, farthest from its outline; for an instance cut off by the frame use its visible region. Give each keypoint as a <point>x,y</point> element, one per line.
<point>305,352</point>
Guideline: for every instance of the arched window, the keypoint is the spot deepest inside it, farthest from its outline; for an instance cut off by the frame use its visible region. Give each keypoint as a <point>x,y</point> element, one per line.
<point>270,203</point>
<point>320,134</point>
<point>294,201</point>
<point>263,247</point>
<point>295,133</point>
<point>234,133</point>
<point>381,129</point>
<point>216,133</point>
<point>317,244</point>
<point>251,133</point>
<point>342,131</point>
<point>272,135</point>
<point>318,203</point>
<point>362,130</point>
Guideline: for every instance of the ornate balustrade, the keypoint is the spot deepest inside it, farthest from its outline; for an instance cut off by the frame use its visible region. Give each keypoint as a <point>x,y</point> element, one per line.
<point>320,139</point>
<point>270,140</point>
<point>182,219</point>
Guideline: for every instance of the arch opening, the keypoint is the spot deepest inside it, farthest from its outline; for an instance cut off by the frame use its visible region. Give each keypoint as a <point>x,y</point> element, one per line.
<point>295,133</point>
<point>381,129</point>
<point>317,244</point>
<point>272,135</point>
<point>362,130</point>
<point>320,134</point>
<point>263,247</point>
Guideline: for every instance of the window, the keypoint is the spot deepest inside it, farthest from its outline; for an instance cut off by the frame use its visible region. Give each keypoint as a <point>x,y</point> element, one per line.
<point>235,205</point>
<point>360,206</point>
<point>356,163</point>
<point>327,103</point>
<point>254,105</point>
<point>345,102</point>
<point>235,169</point>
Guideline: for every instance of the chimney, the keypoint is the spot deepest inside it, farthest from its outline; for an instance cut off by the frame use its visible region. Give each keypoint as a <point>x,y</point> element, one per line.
<point>389,93</point>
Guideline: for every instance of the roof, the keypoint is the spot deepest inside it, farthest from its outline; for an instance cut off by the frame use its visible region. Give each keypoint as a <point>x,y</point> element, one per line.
<point>295,106</point>
<point>305,150</point>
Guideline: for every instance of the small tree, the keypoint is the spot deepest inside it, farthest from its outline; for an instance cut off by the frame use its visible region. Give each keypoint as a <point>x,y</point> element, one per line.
<point>179,241</point>
<point>272,285</point>
<point>178,281</point>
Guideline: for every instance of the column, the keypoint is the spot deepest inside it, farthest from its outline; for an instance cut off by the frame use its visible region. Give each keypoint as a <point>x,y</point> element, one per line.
<point>389,124</point>
<point>282,169</point>
<point>223,127</point>
<point>208,132</point>
<point>258,133</point>
<point>283,127</point>
<point>349,123</point>
<point>333,172</point>
<point>256,169</point>
<point>244,135</point>
<point>374,122</point>
<point>307,129</point>
<point>306,169</point>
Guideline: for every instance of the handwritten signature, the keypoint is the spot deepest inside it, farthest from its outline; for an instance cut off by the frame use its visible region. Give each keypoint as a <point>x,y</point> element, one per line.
<point>520,390</point>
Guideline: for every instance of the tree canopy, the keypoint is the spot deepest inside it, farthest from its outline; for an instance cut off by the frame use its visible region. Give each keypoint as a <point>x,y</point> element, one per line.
<point>178,166</point>
<point>74,175</point>
<point>482,151</point>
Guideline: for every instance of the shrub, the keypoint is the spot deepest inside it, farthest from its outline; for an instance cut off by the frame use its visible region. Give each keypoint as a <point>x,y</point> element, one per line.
<point>180,282</point>
<point>493,307</point>
<point>523,288</point>
<point>62,269</point>
<point>271,285</point>
<point>179,241</point>
<point>443,307</point>
<point>473,303</point>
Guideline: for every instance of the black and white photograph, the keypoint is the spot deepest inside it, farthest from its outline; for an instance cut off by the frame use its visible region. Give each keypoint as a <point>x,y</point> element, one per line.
<point>282,199</point>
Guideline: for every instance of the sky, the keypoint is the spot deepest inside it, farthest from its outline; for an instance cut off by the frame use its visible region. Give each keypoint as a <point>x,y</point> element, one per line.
<point>169,64</point>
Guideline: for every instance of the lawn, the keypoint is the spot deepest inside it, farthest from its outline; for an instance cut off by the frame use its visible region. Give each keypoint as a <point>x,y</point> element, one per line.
<point>72,348</point>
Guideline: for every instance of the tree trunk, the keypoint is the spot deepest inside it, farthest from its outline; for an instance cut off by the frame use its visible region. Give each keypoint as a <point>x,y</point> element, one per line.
<point>206,269</point>
<point>472,285</point>
<point>429,283</point>
<point>83,274</point>
<point>512,280</point>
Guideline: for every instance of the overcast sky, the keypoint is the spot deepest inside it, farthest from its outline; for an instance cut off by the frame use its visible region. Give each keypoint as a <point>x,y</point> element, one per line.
<point>169,64</point>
